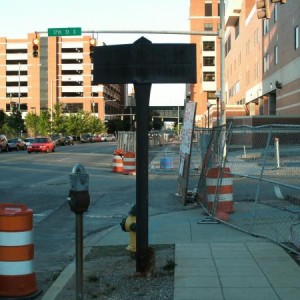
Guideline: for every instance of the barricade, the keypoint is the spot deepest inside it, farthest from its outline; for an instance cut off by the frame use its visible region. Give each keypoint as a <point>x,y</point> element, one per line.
<point>219,182</point>
<point>117,164</point>
<point>17,278</point>
<point>129,163</point>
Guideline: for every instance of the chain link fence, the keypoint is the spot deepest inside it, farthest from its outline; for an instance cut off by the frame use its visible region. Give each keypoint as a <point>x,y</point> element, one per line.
<point>250,178</point>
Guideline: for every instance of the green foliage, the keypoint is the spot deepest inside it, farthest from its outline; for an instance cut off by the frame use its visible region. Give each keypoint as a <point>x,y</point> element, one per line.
<point>59,120</point>
<point>72,124</point>
<point>44,126</point>
<point>31,123</point>
<point>3,117</point>
<point>15,123</point>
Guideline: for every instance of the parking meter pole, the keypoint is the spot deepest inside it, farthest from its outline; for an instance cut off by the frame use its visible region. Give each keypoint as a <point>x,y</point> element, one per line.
<point>79,257</point>
<point>79,201</point>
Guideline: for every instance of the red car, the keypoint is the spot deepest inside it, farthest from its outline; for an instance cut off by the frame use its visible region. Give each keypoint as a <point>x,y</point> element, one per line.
<point>41,144</point>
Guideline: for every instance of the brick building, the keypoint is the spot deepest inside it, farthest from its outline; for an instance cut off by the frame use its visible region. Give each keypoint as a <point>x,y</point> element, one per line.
<point>262,59</point>
<point>58,70</point>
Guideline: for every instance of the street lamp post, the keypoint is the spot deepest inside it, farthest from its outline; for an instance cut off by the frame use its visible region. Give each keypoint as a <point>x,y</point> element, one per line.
<point>217,94</point>
<point>51,105</point>
<point>19,85</point>
<point>51,101</point>
<point>209,105</point>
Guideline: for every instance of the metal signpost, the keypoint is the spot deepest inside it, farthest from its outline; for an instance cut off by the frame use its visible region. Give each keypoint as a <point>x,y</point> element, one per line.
<point>143,63</point>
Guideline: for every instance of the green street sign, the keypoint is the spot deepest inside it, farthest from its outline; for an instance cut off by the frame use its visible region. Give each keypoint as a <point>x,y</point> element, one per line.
<point>70,31</point>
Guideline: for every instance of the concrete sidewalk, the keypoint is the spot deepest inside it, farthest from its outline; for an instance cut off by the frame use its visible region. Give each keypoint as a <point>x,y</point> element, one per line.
<point>213,260</point>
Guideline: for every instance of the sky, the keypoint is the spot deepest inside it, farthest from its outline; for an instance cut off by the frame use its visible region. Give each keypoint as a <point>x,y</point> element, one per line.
<point>19,17</point>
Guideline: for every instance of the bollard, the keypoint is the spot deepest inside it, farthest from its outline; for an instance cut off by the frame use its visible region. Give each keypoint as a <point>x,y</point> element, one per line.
<point>79,201</point>
<point>17,277</point>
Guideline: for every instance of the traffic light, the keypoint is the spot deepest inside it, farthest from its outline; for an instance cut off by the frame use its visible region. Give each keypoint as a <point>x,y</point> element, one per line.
<point>35,47</point>
<point>92,46</point>
<point>264,9</point>
<point>281,1</point>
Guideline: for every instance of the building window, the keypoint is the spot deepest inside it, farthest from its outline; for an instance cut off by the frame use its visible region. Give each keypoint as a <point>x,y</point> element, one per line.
<point>208,9</point>
<point>208,46</point>
<point>276,55</point>
<point>266,25</point>
<point>276,13</point>
<point>228,45</point>
<point>208,27</point>
<point>208,61</point>
<point>208,76</point>
<point>211,95</point>
<point>73,107</point>
<point>266,62</point>
<point>296,37</point>
<point>237,29</point>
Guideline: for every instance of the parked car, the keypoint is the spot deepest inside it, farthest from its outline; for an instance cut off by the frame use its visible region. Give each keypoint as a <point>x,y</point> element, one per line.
<point>16,144</point>
<point>28,141</point>
<point>3,143</point>
<point>86,138</point>
<point>41,144</point>
<point>69,140</point>
<point>59,140</point>
<point>96,138</point>
<point>108,138</point>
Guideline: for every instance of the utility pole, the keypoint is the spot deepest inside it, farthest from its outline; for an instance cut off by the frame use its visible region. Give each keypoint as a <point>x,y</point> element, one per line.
<point>19,85</point>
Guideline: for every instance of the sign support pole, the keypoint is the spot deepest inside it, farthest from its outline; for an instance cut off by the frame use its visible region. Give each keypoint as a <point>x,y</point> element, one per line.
<point>143,255</point>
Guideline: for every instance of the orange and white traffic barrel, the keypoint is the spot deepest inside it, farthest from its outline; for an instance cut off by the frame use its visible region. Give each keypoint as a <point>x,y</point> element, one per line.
<point>17,278</point>
<point>219,188</point>
<point>129,163</point>
<point>117,164</point>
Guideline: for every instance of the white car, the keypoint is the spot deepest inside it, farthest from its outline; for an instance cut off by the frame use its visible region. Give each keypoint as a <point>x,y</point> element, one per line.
<point>28,141</point>
<point>108,138</point>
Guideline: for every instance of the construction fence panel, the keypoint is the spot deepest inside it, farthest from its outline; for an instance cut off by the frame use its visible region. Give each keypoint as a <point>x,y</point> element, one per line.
<point>263,165</point>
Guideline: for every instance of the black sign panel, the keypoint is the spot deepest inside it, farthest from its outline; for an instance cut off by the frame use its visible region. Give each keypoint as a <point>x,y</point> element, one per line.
<point>144,62</point>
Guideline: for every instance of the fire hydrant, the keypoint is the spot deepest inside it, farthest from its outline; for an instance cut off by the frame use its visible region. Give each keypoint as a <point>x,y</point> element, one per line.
<point>128,224</point>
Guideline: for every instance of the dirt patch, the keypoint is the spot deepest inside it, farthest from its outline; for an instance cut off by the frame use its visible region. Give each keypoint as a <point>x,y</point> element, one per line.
<point>109,273</point>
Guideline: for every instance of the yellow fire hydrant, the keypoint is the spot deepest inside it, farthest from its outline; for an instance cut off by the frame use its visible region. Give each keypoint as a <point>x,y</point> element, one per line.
<point>128,224</point>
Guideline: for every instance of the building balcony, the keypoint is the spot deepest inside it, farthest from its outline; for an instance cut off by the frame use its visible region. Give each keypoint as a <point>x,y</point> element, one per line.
<point>232,12</point>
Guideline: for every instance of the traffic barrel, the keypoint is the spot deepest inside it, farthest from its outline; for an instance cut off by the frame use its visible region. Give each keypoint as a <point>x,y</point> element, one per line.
<point>17,278</point>
<point>219,183</point>
<point>129,163</point>
<point>117,164</point>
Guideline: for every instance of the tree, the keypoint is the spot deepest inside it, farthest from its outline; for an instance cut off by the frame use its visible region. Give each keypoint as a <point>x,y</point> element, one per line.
<point>15,123</point>
<point>75,124</point>
<point>31,123</point>
<point>3,118</point>
<point>44,125</point>
<point>94,125</point>
<point>59,119</point>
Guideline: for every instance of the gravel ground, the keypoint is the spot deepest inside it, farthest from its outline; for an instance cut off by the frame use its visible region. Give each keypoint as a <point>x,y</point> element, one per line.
<point>109,273</point>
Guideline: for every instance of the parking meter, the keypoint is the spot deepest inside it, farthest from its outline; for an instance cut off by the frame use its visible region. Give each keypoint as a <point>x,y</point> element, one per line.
<point>79,198</point>
<point>79,201</point>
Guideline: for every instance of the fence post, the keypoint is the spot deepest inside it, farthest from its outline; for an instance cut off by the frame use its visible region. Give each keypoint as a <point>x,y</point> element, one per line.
<point>277,154</point>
